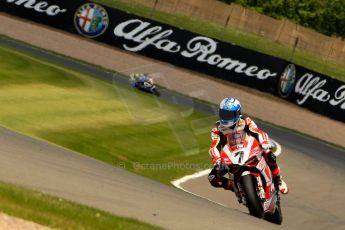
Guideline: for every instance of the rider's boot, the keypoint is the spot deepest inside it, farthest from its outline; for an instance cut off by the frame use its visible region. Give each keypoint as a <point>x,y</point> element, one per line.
<point>283,188</point>
<point>277,178</point>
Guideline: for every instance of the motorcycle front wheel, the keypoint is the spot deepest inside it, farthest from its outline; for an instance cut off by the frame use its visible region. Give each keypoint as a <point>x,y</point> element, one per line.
<point>252,199</point>
<point>276,217</point>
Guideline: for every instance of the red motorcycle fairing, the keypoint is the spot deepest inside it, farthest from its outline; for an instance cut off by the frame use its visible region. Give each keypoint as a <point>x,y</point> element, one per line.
<point>244,159</point>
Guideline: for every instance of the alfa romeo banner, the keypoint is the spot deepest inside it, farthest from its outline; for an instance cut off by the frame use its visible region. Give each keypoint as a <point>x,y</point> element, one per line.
<point>189,50</point>
<point>153,39</point>
<point>313,90</point>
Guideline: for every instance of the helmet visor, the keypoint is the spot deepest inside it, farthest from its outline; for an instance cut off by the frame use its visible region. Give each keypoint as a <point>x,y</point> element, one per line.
<point>228,116</point>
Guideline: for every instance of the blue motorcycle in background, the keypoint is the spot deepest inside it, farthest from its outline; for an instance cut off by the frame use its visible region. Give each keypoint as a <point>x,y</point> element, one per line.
<point>143,82</point>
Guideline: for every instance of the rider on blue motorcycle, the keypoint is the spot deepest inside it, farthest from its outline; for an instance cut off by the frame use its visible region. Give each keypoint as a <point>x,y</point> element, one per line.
<point>142,80</point>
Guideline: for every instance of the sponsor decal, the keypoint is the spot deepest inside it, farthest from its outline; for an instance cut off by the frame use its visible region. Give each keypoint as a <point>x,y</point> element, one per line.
<point>286,81</point>
<point>310,86</point>
<point>269,203</point>
<point>203,49</point>
<point>39,6</point>
<point>261,166</point>
<point>91,20</point>
<point>240,146</point>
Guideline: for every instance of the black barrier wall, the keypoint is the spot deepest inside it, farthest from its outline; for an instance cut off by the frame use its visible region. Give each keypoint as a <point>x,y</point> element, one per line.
<point>313,90</point>
<point>129,32</point>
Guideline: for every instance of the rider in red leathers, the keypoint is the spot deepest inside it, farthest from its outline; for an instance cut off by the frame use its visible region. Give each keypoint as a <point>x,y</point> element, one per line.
<point>232,129</point>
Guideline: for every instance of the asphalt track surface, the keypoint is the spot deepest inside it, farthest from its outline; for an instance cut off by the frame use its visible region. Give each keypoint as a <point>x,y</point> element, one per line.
<point>314,171</point>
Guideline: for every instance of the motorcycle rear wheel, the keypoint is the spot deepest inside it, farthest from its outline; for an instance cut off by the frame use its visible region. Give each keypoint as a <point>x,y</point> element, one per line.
<point>252,199</point>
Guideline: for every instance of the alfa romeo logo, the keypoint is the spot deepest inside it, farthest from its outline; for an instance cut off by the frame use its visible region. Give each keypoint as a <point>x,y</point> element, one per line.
<point>91,20</point>
<point>287,81</point>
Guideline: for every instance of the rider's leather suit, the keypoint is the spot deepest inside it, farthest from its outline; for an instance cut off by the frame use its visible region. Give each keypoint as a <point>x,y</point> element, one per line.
<point>236,138</point>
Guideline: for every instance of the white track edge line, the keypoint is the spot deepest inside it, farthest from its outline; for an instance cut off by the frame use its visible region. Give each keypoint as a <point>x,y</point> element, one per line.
<point>177,183</point>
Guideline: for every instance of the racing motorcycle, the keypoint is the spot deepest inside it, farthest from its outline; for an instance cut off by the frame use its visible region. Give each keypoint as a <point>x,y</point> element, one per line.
<point>252,180</point>
<point>144,85</point>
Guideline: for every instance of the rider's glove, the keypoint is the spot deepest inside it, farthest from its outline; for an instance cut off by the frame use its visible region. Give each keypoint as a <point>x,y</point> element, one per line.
<point>218,163</point>
<point>266,146</point>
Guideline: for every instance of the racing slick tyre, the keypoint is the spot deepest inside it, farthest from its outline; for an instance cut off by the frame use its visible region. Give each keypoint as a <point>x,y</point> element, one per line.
<point>252,199</point>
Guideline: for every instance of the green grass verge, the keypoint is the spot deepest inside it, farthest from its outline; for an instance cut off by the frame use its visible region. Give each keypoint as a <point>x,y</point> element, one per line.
<point>120,126</point>
<point>247,40</point>
<point>58,213</point>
